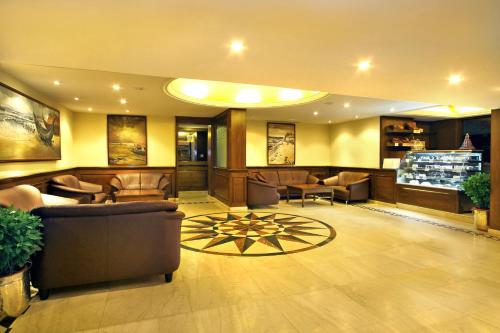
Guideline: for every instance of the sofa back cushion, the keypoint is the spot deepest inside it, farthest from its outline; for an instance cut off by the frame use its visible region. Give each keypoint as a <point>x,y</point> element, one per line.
<point>67,180</point>
<point>130,181</point>
<point>346,177</point>
<point>292,177</point>
<point>23,197</point>
<point>150,181</point>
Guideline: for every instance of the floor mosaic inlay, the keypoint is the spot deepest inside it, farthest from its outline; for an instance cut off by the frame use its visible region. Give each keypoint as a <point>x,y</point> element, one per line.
<point>253,233</point>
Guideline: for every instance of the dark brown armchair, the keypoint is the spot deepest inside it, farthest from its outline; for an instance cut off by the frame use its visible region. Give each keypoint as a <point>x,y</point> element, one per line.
<point>261,193</point>
<point>69,186</point>
<point>350,186</point>
<point>97,243</point>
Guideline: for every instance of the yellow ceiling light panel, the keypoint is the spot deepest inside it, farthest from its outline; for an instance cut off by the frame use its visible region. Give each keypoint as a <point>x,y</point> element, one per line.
<point>228,94</point>
<point>448,111</point>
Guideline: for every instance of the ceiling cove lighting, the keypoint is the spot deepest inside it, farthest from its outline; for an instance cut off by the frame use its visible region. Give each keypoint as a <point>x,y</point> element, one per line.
<point>449,111</point>
<point>228,94</point>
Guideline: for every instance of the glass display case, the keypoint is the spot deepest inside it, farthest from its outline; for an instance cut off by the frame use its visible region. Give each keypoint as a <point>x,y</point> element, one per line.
<point>439,168</point>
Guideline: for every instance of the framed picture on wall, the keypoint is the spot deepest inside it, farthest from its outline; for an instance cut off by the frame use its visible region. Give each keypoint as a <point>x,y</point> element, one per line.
<point>29,129</point>
<point>127,140</point>
<point>280,144</point>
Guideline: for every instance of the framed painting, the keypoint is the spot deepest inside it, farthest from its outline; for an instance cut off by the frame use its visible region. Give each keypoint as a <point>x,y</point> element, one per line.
<point>29,129</point>
<point>127,140</point>
<point>280,144</point>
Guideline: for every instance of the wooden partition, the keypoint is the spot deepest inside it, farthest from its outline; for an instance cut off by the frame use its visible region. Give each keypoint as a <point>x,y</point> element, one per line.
<point>495,171</point>
<point>39,180</point>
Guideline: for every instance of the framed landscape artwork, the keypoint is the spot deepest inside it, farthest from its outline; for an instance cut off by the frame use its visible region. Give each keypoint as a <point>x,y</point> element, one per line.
<point>29,129</point>
<point>280,144</point>
<point>127,140</point>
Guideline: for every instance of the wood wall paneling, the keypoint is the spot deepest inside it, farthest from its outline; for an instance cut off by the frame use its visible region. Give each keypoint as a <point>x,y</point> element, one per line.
<point>495,170</point>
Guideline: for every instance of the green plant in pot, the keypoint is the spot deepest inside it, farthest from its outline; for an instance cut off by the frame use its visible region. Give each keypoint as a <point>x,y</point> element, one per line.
<point>20,238</point>
<point>477,188</point>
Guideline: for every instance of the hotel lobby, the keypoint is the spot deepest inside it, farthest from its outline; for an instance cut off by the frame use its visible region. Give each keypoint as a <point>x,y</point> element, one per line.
<point>196,166</point>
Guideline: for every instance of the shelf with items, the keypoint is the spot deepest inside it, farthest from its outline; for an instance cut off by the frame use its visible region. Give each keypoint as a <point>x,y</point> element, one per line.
<point>441,169</point>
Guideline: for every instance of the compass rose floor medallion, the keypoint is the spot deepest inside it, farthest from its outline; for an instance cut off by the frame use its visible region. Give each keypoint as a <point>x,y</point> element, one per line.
<point>253,233</point>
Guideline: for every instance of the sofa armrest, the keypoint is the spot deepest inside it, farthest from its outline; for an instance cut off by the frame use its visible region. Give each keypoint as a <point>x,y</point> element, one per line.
<point>107,209</point>
<point>116,184</point>
<point>54,200</point>
<point>94,188</point>
<point>163,183</point>
<point>357,183</point>
<point>332,181</point>
<point>71,189</point>
<point>312,179</point>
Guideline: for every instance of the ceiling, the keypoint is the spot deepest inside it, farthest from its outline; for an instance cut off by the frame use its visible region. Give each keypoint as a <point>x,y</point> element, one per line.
<point>414,46</point>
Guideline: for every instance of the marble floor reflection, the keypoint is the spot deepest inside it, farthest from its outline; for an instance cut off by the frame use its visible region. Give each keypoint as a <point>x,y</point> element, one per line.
<point>382,273</point>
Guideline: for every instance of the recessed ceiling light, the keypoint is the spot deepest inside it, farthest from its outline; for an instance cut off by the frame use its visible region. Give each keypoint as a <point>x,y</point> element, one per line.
<point>76,98</point>
<point>57,83</point>
<point>195,89</point>
<point>347,105</point>
<point>329,121</point>
<point>455,79</point>
<point>116,87</point>
<point>356,116</point>
<point>315,113</point>
<point>123,101</point>
<point>364,65</point>
<point>237,46</point>
<point>248,96</point>
<point>127,111</point>
<point>392,110</point>
<point>290,94</point>
<point>89,109</point>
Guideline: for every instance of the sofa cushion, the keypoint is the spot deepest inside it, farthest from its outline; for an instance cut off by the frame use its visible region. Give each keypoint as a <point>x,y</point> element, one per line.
<point>292,177</point>
<point>67,180</point>
<point>23,197</point>
<point>150,180</point>
<point>346,177</point>
<point>130,181</point>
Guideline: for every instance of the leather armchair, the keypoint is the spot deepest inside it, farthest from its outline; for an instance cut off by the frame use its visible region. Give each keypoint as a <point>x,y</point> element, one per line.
<point>261,193</point>
<point>71,187</point>
<point>97,243</point>
<point>350,186</point>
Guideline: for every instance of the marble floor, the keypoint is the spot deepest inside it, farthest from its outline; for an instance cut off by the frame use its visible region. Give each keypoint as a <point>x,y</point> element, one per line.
<point>381,273</point>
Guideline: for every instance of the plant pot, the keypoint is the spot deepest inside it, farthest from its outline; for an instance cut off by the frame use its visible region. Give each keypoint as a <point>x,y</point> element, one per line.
<point>481,217</point>
<point>14,293</point>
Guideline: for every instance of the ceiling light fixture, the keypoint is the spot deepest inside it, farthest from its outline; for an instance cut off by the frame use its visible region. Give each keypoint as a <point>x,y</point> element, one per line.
<point>329,121</point>
<point>116,87</point>
<point>195,89</point>
<point>76,98</point>
<point>89,109</point>
<point>455,79</point>
<point>356,116</point>
<point>287,94</point>
<point>237,46</point>
<point>392,110</point>
<point>364,65</point>
<point>127,111</point>
<point>57,83</point>
<point>347,105</point>
<point>248,96</point>
<point>315,113</point>
<point>123,101</point>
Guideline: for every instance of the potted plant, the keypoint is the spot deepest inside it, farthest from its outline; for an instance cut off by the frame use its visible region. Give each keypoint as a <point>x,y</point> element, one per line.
<point>477,188</point>
<point>20,238</point>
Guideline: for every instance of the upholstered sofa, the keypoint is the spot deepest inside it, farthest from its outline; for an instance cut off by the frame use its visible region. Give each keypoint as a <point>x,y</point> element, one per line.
<point>261,193</point>
<point>145,182</point>
<point>101,242</point>
<point>350,186</point>
<point>71,187</point>
<point>282,178</point>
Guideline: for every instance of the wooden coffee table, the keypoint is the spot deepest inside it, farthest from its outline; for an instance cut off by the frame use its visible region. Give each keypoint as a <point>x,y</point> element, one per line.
<point>306,189</point>
<point>139,195</point>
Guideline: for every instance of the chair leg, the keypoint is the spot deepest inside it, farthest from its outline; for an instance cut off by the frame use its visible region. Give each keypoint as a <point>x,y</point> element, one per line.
<point>43,294</point>
<point>168,277</point>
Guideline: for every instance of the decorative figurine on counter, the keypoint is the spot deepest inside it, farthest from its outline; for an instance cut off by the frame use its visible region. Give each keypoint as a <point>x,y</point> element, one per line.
<point>467,144</point>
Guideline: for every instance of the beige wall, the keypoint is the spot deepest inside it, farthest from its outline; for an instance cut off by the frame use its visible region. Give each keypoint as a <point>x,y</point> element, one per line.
<point>90,140</point>
<point>312,144</point>
<point>356,143</point>
<point>25,168</point>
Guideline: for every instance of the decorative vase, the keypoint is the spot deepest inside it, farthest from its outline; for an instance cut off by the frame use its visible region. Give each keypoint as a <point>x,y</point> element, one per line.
<point>481,219</point>
<point>14,293</point>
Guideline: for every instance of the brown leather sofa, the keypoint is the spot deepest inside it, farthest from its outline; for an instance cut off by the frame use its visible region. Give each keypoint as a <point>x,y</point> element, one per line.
<point>71,187</point>
<point>145,182</point>
<point>96,243</point>
<point>282,178</point>
<point>261,193</point>
<point>350,186</point>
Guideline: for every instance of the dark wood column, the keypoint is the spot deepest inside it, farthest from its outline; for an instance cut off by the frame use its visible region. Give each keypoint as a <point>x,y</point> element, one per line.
<point>495,172</point>
<point>229,183</point>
